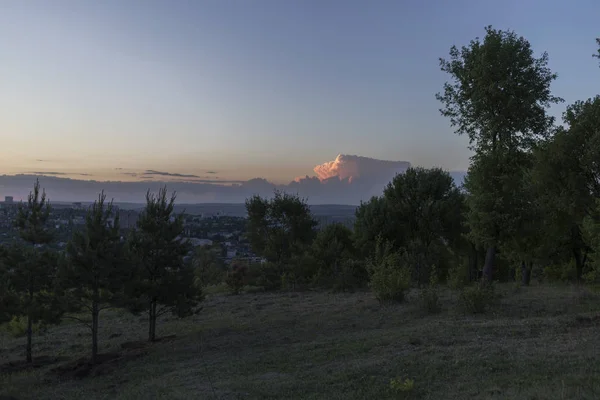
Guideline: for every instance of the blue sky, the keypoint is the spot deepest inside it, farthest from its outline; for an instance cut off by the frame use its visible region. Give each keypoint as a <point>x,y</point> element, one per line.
<point>265,88</point>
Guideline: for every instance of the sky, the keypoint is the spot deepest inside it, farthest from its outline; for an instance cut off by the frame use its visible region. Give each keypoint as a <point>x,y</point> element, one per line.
<point>236,89</point>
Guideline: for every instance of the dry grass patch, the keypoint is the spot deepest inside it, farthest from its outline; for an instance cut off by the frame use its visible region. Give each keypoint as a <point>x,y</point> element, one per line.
<point>536,343</point>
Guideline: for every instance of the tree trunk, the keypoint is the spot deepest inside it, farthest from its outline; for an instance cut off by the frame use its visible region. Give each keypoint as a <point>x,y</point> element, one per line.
<point>152,321</point>
<point>95,313</point>
<point>474,264</point>
<point>29,334</point>
<point>579,263</point>
<point>488,267</point>
<point>526,273</point>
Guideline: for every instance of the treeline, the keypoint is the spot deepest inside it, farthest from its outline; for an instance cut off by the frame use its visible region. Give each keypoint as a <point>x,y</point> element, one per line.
<point>529,204</point>
<point>143,272</point>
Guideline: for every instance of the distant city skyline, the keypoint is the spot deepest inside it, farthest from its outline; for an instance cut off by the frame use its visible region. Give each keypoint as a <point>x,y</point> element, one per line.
<point>110,90</point>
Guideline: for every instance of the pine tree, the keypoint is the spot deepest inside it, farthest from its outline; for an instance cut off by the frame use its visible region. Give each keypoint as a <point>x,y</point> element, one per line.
<point>94,271</point>
<point>32,266</point>
<point>163,283</point>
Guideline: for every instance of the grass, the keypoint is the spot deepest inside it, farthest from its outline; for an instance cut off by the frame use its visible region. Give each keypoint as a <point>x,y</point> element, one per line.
<point>539,342</point>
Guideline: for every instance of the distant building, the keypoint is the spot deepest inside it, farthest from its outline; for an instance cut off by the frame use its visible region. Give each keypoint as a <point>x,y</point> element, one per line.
<point>9,200</point>
<point>77,205</point>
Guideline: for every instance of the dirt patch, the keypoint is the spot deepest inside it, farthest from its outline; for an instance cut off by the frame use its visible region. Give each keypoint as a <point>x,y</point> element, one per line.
<point>38,362</point>
<point>105,364</point>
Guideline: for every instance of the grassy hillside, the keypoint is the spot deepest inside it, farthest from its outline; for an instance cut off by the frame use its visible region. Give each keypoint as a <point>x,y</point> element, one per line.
<point>540,343</point>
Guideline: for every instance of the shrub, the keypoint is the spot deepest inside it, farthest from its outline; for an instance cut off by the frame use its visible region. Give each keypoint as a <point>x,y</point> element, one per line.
<point>458,276</point>
<point>477,298</point>
<point>352,275</point>
<point>429,295</point>
<point>17,327</point>
<point>390,278</point>
<point>560,272</point>
<point>402,387</point>
<point>237,277</point>
<point>267,275</point>
<point>348,276</point>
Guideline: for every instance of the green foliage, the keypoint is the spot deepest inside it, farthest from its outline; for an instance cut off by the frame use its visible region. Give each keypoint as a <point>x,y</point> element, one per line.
<point>421,212</point>
<point>94,272</point>
<point>32,218</point>
<point>266,275</point>
<point>402,387</point>
<point>373,219</point>
<point>280,227</point>
<point>208,268</point>
<point>237,277</point>
<point>32,267</point>
<point>476,299</point>
<point>162,283</point>
<point>560,272</point>
<point>430,298</point>
<point>566,173</point>
<point>17,327</point>
<point>458,275</point>
<point>498,96</point>
<point>334,255</point>
<point>389,276</point>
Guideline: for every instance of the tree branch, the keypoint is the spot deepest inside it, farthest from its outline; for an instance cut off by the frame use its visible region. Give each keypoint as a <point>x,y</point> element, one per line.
<point>163,311</point>
<point>82,321</point>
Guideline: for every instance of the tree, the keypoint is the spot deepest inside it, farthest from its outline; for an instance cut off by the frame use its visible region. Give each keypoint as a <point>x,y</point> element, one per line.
<point>163,282</point>
<point>94,271</point>
<point>32,266</point>
<point>598,55</point>
<point>498,97</point>
<point>334,252</point>
<point>567,175</point>
<point>280,227</point>
<point>426,208</point>
<point>372,219</point>
<point>208,267</point>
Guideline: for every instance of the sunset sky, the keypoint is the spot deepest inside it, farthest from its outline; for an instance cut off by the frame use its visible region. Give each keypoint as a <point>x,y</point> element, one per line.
<point>96,89</point>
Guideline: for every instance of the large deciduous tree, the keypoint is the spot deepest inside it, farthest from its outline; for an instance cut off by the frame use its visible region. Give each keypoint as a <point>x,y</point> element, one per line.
<point>498,97</point>
<point>94,272</point>
<point>567,175</point>
<point>32,266</point>
<point>163,282</point>
<point>426,208</point>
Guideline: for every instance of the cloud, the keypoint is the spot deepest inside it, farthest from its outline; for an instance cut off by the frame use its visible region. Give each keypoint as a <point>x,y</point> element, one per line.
<point>58,173</point>
<point>160,173</point>
<point>211,172</point>
<point>48,173</point>
<point>118,169</point>
<point>347,179</point>
<point>352,167</point>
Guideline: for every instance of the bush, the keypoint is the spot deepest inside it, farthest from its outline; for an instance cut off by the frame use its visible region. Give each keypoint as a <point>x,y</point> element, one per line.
<point>429,295</point>
<point>237,277</point>
<point>266,275</point>
<point>209,274</point>
<point>477,298</point>
<point>352,275</point>
<point>560,272</point>
<point>390,278</point>
<point>348,276</point>
<point>458,276</point>
<point>17,327</point>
